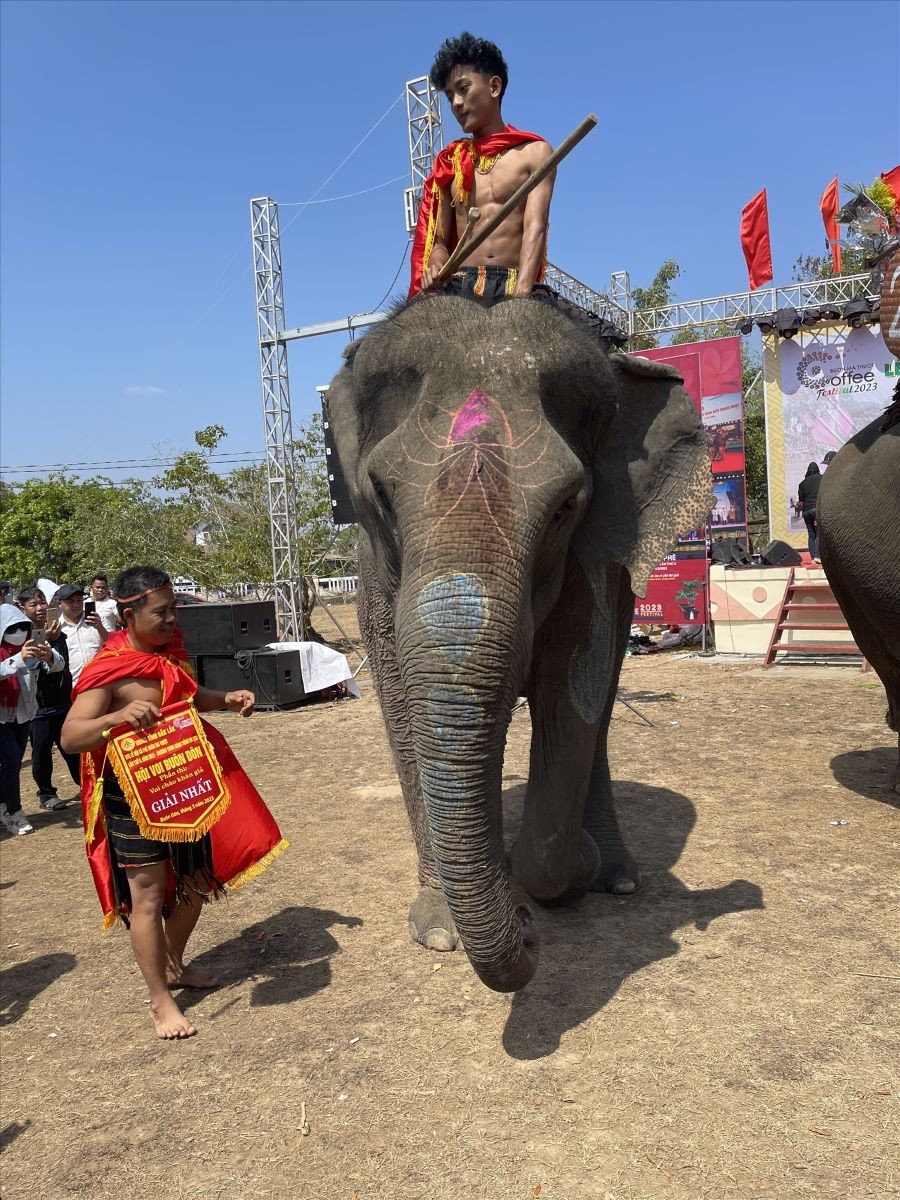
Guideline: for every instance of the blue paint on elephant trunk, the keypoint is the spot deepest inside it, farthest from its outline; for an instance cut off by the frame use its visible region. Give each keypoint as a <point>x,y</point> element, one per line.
<point>453,609</point>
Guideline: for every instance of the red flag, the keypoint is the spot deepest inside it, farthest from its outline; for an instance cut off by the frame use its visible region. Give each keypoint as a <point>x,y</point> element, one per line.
<point>892,179</point>
<point>755,240</point>
<point>828,206</point>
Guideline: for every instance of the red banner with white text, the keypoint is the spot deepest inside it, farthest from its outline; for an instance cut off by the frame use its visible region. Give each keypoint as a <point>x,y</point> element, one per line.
<point>712,377</point>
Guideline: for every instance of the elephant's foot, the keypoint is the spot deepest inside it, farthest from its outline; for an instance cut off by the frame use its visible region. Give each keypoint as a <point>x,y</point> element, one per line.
<point>549,879</point>
<point>430,922</point>
<point>618,874</point>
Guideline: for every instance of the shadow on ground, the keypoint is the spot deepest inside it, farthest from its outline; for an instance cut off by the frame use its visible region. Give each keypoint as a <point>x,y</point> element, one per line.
<point>868,773</point>
<point>20,984</point>
<point>287,956</point>
<point>590,948</point>
<point>10,1132</point>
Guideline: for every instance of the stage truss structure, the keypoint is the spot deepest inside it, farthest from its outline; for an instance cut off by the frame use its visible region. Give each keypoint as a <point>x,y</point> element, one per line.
<point>426,140</point>
<point>425,136</point>
<point>276,398</point>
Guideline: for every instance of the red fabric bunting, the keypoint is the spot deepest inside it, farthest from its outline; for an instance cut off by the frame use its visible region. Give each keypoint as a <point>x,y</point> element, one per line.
<point>755,240</point>
<point>828,206</point>
<point>892,179</point>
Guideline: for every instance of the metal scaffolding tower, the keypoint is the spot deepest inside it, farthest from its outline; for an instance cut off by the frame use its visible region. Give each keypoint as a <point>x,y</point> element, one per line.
<point>585,297</point>
<point>276,399</point>
<point>764,302</point>
<point>423,114</point>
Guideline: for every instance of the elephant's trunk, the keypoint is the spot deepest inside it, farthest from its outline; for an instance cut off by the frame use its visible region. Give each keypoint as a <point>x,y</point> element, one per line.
<point>460,692</point>
<point>462,789</point>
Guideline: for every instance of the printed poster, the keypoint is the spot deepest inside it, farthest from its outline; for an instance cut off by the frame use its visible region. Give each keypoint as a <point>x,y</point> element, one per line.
<point>821,388</point>
<point>712,377</point>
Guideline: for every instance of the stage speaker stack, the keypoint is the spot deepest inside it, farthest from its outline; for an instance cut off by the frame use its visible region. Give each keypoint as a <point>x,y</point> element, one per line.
<point>225,647</point>
<point>780,554</point>
<point>273,676</point>
<point>342,510</point>
<point>227,628</point>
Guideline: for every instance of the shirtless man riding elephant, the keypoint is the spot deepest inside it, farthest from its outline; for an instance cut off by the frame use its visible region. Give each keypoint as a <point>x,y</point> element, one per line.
<point>482,169</point>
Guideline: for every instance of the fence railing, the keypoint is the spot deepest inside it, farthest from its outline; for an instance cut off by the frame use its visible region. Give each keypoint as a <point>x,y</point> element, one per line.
<point>335,584</point>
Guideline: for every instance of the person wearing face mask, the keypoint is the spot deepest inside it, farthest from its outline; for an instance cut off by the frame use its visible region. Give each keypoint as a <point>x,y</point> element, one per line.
<point>22,659</point>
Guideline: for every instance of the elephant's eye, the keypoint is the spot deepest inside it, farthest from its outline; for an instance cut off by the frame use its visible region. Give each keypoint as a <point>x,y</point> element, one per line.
<point>564,510</point>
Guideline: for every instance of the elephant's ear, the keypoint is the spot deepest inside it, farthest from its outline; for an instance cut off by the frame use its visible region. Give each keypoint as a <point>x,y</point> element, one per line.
<point>651,472</point>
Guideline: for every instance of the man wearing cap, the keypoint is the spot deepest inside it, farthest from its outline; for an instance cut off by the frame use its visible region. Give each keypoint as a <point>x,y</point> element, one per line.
<point>84,635</point>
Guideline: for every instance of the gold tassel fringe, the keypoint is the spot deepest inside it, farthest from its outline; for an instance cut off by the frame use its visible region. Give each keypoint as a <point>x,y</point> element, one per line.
<point>258,867</point>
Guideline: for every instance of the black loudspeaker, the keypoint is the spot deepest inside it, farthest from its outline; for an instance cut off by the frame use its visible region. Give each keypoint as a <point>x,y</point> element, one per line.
<point>227,628</point>
<point>342,510</point>
<point>272,675</point>
<point>780,554</point>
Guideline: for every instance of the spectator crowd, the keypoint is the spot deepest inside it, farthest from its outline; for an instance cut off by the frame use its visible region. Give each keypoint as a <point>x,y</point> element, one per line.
<point>49,632</point>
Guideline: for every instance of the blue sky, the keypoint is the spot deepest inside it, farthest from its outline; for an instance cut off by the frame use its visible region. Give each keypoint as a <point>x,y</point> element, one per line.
<point>134,135</point>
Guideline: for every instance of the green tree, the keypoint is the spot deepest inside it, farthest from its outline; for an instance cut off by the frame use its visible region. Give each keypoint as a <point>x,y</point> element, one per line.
<point>67,528</point>
<point>656,295</point>
<point>232,510</point>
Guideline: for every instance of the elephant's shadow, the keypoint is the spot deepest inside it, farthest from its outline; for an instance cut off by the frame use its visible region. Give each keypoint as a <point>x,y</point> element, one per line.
<point>588,949</point>
<point>868,773</point>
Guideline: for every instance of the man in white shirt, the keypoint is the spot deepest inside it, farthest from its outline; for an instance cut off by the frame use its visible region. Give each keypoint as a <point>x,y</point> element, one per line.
<point>107,609</point>
<point>84,634</point>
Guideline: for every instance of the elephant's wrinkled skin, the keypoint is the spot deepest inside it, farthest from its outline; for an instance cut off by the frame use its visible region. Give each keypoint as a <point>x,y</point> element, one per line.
<point>858,520</point>
<point>508,478</point>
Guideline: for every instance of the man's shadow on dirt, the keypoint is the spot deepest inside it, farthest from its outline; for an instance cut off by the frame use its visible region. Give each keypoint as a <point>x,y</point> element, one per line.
<point>588,949</point>
<point>20,984</point>
<point>868,773</point>
<point>287,956</point>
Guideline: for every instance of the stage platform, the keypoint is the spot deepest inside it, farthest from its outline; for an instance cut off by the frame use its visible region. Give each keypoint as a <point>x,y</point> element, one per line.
<point>744,604</point>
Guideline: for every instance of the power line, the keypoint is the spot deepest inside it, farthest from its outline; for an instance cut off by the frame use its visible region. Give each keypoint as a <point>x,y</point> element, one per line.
<point>247,458</point>
<point>347,196</point>
<point>303,205</point>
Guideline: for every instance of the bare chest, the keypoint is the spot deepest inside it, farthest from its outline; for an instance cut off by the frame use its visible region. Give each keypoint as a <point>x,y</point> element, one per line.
<point>495,186</point>
<point>127,690</point>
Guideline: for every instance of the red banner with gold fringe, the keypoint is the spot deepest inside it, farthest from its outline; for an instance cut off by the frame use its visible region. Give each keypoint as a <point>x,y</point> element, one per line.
<point>170,775</point>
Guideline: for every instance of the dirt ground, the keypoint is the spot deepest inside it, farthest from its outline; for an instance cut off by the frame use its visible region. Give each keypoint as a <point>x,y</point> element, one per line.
<point>730,1031</point>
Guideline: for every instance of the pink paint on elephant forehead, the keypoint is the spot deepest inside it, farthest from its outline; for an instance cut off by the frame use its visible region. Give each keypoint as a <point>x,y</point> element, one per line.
<point>475,412</point>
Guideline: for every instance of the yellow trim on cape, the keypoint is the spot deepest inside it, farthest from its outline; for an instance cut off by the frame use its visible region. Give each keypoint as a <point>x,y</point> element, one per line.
<point>259,866</point>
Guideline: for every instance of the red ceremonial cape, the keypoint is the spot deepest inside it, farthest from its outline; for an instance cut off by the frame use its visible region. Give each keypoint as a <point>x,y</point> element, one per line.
<point>244,839</point>
<point>456,164</point>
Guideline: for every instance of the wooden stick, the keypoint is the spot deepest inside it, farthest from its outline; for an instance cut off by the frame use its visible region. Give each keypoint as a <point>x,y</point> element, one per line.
<point>465,248</point>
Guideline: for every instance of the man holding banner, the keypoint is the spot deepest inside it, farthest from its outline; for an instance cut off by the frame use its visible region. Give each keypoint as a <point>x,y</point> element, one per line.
<point>170,818</point>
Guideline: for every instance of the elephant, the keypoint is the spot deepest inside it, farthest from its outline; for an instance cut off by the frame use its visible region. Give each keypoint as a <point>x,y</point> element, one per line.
<point>515,485</point>
<point>858,520</point>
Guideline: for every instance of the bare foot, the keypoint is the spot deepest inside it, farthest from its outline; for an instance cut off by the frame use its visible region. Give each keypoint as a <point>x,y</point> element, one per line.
<point>170,1021</point>
<point>190,977</point>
